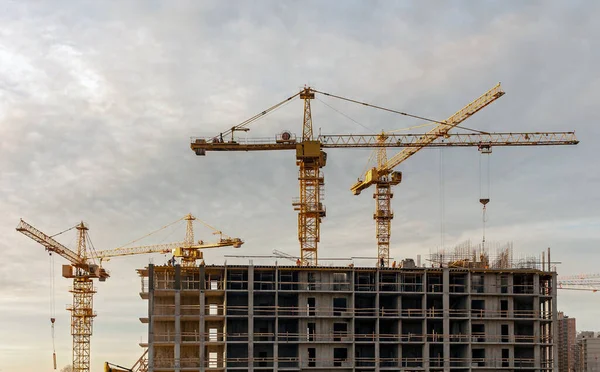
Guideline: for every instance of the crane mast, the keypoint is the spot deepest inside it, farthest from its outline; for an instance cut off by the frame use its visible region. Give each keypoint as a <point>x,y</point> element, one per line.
<point>383,206</point>
<point>82,310</point>
<point>310,159</point>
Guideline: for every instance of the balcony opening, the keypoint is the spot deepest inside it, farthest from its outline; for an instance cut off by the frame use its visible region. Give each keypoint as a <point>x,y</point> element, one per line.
<point>339,356</point>
<point>312,357</point>
<point>339,306</point>
<point>311,304</point>
<point>339,330</point>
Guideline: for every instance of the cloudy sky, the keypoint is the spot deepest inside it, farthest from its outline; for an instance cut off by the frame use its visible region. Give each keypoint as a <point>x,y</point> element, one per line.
<point>98,101</point>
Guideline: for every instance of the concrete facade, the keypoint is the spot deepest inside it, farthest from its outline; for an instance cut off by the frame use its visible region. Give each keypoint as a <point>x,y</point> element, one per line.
<point>289,318</point>
<point>588,352</point>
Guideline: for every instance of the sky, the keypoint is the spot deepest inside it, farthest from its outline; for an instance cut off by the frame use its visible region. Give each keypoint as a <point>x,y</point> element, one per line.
<point>98,101</point>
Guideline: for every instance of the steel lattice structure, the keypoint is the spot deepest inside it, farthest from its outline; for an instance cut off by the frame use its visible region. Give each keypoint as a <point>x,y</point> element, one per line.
<point>310,158</point>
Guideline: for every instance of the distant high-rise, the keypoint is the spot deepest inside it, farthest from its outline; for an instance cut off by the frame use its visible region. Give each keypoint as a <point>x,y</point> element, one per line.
<point>587,352</point>
<point>567,333</point>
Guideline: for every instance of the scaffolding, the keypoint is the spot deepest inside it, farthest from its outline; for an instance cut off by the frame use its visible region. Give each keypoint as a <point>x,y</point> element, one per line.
<point>489,256</point>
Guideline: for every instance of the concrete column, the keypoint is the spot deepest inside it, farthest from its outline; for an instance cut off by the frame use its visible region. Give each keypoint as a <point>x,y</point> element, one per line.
<point>202,330</point>
<point>276,341</point>
<point>352,305</point>
<point>377,350</point>
<point>150,317</point>
<point>536,323</point>
<point>177,330</point>
<point>446,320</point>
<point>553,331</point>
<point>177,287</point>
<point>400,322</point>
<point>250,318</point>
<point>425,350</point>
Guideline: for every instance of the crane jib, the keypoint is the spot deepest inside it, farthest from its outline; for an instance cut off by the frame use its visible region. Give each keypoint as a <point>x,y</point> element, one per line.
<point>397,141</point>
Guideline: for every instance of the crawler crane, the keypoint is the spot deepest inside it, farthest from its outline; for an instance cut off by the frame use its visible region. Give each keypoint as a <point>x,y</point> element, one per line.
<point>310,157</point>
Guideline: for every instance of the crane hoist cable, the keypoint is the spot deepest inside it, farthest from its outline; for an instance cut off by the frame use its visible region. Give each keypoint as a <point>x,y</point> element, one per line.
<point>52,307</point>
<point>153,232</point>
<point>344,115</point>
<point>442,200</point>
<point>484,189</point>
<point>64,231</point>
<point>261,114</point>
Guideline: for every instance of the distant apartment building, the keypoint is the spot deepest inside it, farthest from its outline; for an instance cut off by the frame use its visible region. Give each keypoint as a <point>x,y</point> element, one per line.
<point>587,351</point>
<point>566,340</point>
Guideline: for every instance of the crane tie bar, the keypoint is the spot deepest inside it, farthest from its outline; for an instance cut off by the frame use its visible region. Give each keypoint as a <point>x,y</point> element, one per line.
<point>395,111</point>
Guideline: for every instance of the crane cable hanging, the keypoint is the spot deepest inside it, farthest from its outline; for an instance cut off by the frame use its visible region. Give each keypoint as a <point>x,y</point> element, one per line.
<point>245,123</point>
<point>442,200</point>
<point>52,307</point>
<point>484,190</point>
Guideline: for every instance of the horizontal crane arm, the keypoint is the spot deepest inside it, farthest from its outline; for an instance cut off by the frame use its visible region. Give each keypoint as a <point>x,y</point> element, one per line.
<point>454,139</point>
<point>397,140</point>
<point>164,248</point>
<point>50,244</point>
<point>130,251</point>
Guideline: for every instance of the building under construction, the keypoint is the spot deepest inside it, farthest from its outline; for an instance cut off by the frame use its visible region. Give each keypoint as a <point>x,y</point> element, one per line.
<point>466,312</point>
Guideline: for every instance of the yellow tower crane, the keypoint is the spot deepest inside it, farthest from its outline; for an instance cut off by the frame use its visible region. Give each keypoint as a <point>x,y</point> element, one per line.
<point>581,282</point>
<point>83,269</point>
<point>310,156</point>
<point>384,177</point>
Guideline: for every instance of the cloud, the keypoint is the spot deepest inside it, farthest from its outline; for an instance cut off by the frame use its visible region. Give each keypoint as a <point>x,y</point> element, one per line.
<point>98,102</point>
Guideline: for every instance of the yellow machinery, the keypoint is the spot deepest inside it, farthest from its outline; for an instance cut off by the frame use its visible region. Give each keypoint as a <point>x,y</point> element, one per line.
<point>141,365</point>
<point>188,250</point>
<point>384,177</point>
<point>83,269</point>
<point>109,367</point>
<point>310,158</point>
